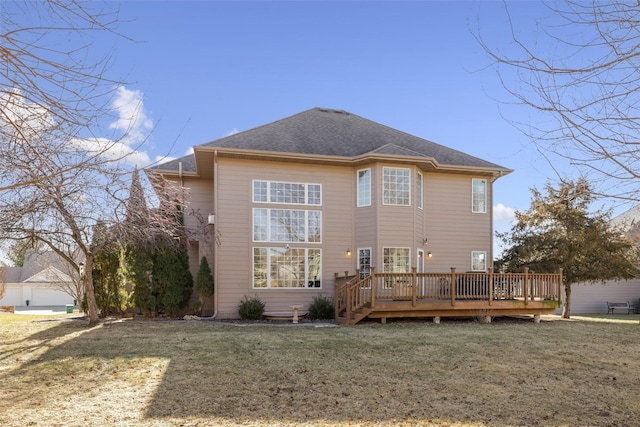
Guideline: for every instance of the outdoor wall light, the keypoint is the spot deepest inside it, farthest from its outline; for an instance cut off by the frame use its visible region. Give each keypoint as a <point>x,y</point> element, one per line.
<point>429,254</point>
<point>348,252</point>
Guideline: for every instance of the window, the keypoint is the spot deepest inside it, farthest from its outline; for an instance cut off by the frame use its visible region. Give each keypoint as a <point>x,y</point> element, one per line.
<point>420,261</point>
<point>478,261</point>
<point>364,187</point>
<point>286,268</point>
<point>283,266</point>
<point>286,193</point>
<point>419,190</point>
<point>479,195</point>
<point>364,262</point>
<point>286,225</point>
<point>396,260</point>
<point>396,186</point>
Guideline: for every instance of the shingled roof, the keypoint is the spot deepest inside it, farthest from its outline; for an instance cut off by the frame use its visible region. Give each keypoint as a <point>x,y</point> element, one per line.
<point>327,132</point>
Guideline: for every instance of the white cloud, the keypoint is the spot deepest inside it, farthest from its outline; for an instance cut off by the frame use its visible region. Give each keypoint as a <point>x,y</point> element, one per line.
<point>18,114</point>
<point>114,151</point>
<point>132,120</point>
<point>189,151</point>
<point>503,213</point>
<point>232,132</point>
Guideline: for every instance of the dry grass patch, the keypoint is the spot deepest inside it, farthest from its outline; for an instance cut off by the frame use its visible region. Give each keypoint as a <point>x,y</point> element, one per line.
<point>458,373</point>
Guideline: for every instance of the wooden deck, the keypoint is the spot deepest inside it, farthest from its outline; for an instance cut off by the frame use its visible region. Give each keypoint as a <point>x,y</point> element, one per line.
<point>388,295</point>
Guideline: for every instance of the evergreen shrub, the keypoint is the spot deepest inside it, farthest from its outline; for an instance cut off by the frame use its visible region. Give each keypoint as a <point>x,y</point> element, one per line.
<point>322,307</point>
<point>251,308</point>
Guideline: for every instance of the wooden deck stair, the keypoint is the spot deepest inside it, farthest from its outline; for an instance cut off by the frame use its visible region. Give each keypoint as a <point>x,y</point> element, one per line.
<point>355,315</point>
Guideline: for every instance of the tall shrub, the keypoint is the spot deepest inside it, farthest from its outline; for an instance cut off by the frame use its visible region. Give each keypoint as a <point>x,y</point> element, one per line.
<point>204,279</point>
<point>171,278</point>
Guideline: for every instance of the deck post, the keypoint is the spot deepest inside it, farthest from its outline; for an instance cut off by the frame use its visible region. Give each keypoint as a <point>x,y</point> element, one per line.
<point>414,286</point>
<point>347,298</point>
<point>372,277</point>
<point>490,285</point>
<point>336,306</point>
<point>453,286</point>
<point>526,286</point>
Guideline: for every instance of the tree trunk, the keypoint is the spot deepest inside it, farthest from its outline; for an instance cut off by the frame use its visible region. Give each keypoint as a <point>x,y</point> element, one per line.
<point>92,307</point>
<point>566,307</point>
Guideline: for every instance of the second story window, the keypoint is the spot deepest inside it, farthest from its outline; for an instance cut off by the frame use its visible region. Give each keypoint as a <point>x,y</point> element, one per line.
<point>396,186</point>
<point>419,190</point>
<point>364,187</point>
<point>286,193</point>
<point>479,195</point>
<point>287,225</point>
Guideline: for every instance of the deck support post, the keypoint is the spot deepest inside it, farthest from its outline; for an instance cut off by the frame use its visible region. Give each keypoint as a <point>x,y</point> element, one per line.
<point>536,318</point>
<point>526,286</point>
<point>348,301</point>
<point>436,320</point>
<point>414,286</point>
<point>453,286</point>
<point>490,285</point>
<point>383,320</point>
<point>372,277</point>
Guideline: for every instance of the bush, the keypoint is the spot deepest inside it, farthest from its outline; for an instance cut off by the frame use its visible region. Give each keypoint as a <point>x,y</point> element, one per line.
<point>251,308</point>
<point>321,308</point>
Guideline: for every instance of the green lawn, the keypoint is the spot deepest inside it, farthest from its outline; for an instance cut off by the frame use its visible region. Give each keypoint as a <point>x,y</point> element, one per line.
<point>585,371</point>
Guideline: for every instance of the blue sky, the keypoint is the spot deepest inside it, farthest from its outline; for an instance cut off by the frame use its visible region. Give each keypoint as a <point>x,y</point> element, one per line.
<point>199,70</point>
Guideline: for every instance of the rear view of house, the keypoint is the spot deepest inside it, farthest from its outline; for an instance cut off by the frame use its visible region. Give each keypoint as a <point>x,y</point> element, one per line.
<point>292,207</point>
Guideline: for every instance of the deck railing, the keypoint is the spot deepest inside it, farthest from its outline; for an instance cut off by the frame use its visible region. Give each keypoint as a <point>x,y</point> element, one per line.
<point>353,294</point>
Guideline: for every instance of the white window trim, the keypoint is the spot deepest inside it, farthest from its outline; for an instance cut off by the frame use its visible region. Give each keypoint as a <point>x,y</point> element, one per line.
<point>420,260</point>
<point>268,272</point>
<point>409,189</point>
<point>358,187</point>
<point>473,255</point>
<point>398,247</point>
<point>358,259</point>
<point>268,226</point>
<point>473,207</point>
<point>306,193</point>
<point>420,190</point>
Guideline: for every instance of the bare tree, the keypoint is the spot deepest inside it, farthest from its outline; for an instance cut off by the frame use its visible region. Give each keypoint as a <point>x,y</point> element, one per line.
<point>59,174</point>
<point>51,77</point>
<point>582,74</point>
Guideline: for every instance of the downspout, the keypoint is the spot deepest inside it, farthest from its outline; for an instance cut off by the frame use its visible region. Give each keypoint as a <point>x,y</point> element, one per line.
<point>215,250</point>
<point>491,228</point>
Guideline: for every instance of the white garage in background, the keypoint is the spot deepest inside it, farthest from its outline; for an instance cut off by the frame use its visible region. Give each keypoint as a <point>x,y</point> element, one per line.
<point>40,281</point>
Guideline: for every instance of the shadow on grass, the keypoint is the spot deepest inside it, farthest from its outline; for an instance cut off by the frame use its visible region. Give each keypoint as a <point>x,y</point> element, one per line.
<point>42,339</point>
<point>167,371</point>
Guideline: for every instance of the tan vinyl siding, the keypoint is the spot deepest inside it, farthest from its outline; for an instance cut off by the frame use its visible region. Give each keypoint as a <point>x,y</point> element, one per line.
<point>366,220</point>
<point>452,229</point>
<point>200,197</point>
<point>396,226</point>
<point>234,223</point>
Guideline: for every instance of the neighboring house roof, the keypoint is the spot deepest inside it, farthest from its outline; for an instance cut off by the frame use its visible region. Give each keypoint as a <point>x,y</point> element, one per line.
<point>49,275</point>
<point>38,267</point>
<point>322,133</point>
<point>629,221</point>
